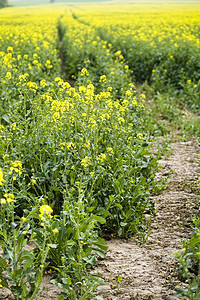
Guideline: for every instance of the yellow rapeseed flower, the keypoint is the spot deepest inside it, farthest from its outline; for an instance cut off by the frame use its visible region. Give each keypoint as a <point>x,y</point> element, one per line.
<point>23,219</point>
<point>10,49</point>
<point>8,75</point>
<point>9,197</point>
<point>1,177</point>
<point>103,78</point>
<point>84,72</point>
<point>3,201</point>
<point>139,135</point>
<point>85,162</point>
<point>101,157</point>
<point>45,210</point>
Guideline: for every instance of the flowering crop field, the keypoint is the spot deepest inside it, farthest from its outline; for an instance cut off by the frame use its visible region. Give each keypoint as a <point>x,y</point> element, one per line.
<point>76,158</point>
<point>159,41</point>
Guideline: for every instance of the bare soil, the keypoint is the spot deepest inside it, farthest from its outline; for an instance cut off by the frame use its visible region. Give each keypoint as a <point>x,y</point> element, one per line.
<point>148,270</point>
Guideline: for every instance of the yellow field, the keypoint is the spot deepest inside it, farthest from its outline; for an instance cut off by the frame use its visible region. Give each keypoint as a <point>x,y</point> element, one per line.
<point>77,146</point>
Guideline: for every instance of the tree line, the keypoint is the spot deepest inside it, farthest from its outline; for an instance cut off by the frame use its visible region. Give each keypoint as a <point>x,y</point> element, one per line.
<point>3,3</point>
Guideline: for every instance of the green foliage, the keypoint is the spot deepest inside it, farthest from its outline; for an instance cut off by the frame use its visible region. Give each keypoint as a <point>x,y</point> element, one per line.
<point>69,243</point>
<point>3,3</point>
<point>16,264</point>
<point>92,53</point>
<point>189,264</point>
<point>169,63</point>
<point>77,246</point>
<point>82,153</point>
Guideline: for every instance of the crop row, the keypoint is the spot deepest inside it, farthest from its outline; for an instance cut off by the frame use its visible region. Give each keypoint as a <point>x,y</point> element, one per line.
<point>160,45</point>
<point>74,160</point>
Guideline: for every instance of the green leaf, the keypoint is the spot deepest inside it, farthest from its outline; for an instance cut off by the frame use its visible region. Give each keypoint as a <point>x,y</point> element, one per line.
<point>20,242</point>
<point>194,241</point>
<point>181,292</point>
<point>53,245</point>
<point>98,252</point>
<point>102,244</point>
<point>123,224</point>
<point>111,198</point>
<point>99,219</point>
<point>25,291</point>
<point>119,279</point>
<point>3,263</point>
<point>6,118</point>
<point>67,281</point>
<point>90,209</point>
<point>100,247</point>
<point>2,243</point>
<point>70,243</point>
<point>55,168</point>
<point>119,206</point>
<point>28,257</point>
<point>9,254</point>
<point>60,297</point>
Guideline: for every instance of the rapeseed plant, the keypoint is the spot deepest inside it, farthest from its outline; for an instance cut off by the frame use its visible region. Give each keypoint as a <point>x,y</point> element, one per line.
<point>76,159</point>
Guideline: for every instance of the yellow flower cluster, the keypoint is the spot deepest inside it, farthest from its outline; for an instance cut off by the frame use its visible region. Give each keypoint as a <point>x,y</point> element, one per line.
<point>101,158</point>
<point>167,24</point>
<point>45,212</point>
<point>8,198</point>
<point>16,169</point>
<point>86,161</point>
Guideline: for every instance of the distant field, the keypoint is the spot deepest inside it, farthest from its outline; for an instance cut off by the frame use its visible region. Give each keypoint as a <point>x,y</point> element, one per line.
<point>24,2</point>
<point>40,2</point>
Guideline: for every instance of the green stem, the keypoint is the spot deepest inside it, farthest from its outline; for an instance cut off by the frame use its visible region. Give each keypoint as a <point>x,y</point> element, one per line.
<point>44,253</point>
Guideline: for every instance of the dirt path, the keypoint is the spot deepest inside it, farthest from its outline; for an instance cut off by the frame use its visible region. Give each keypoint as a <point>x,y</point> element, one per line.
<point>147,270</point>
